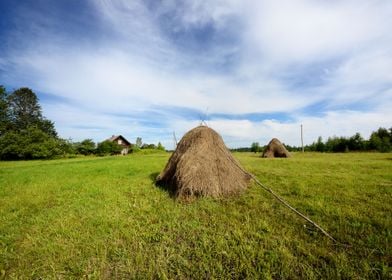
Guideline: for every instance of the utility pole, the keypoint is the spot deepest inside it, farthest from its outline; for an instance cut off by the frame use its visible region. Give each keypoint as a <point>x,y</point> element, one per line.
<point>302,138</point>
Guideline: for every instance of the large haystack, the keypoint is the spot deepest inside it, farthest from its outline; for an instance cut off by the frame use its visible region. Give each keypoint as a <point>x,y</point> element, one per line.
<point>275,149</point>
<point>202,166</point>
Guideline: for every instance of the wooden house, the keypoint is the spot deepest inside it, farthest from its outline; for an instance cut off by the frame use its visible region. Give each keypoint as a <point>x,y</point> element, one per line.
<point>120,140</point>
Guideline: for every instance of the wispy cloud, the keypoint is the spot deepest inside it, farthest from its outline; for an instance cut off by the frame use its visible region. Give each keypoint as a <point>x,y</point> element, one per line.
<point>259,68</point>
<point>307,31</point>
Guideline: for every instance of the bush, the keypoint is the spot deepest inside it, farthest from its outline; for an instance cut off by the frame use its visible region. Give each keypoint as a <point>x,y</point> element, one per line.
<point>108,148</point>
<point>135,148</point>
<point>148,146</point>
<point>86,147</point>
<point>31,143</point>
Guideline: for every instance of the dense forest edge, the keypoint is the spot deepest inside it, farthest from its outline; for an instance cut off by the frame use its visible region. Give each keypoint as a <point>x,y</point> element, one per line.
<point>26,134</point>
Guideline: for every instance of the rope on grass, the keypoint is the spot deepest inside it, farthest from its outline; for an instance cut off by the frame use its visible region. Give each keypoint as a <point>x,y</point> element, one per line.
<point>297,212</point>
<point>292,208</point>
<point>285,202</point>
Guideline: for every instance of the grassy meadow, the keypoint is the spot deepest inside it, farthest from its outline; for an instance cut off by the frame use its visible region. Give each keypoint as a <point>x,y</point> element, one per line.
<point>103,218</point>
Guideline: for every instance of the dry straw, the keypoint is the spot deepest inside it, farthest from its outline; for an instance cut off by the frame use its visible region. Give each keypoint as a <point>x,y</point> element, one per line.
<point>203,166</point>
<point>275,149</point>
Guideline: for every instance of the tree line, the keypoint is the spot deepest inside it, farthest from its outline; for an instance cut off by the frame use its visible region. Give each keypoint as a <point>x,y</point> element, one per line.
<point>89,147</point>
<point>379,140</point>
<point>26,134</point>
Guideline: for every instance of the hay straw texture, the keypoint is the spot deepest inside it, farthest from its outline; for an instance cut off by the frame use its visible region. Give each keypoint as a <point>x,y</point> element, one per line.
<point>203,166</point>
<point>275,149</point>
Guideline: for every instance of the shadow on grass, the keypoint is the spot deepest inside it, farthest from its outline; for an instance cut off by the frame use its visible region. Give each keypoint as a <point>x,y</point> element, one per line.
<point>162,186</point>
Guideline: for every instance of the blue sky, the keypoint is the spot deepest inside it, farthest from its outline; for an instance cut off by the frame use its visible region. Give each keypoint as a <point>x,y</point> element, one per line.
<point>253,70</point>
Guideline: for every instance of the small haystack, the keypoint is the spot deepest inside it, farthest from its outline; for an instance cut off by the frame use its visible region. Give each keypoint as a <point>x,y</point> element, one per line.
<point>275,149</point>
<point>201,165</point>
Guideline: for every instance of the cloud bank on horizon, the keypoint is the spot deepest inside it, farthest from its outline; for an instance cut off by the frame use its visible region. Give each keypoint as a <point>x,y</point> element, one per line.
<point>253,69</point>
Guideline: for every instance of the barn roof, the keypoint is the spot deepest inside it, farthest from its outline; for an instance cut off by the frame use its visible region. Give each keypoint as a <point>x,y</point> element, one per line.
<point>116,137</point>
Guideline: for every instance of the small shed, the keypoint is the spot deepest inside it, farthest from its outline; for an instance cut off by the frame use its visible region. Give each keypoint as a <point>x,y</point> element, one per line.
<point>120,140</point>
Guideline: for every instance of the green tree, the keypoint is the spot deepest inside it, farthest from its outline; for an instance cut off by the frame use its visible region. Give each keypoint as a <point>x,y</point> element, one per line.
<point>139,142</point>
<point>67,147</point>
<point>320,146</point>
<point>381,140</point>
<point>24,132</point>
<point>11,146</point>
<point>337,144</point>
<point>255,147</point>
<point>24,108</point>
<point>40,145</point>
<point>160,146</point>
<point>48,127</point>
<point>25,111</point>
<point>356,142</point>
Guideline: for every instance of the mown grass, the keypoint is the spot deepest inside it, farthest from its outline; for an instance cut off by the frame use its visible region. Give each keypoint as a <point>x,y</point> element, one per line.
<point>104,218</point>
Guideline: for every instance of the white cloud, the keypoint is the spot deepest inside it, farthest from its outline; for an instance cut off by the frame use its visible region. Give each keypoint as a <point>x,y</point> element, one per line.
<point>369,68</point>
<point>139,67</point>
<point>306,31</point>
<point>196,13</point>
<point>241,133</point>
<point>111,80</point>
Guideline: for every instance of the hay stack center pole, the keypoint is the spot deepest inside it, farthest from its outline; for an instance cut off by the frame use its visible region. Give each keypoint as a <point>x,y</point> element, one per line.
<point>175,140</point>
<point>302,138</point>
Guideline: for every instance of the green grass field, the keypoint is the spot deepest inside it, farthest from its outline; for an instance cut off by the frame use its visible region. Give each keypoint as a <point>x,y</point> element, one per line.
<point>103,218</point>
